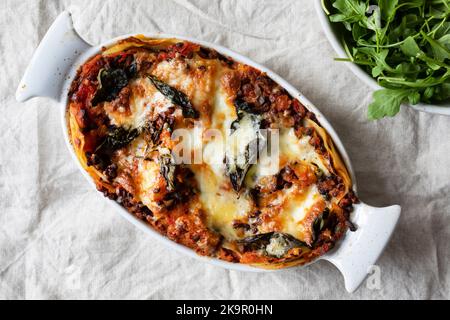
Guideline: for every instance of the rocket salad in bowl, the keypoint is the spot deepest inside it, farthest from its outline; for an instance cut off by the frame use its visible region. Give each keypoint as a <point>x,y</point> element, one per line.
<point>404,45</point>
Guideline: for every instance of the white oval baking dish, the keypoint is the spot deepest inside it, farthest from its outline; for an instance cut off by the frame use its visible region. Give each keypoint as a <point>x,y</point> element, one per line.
<point>332,35</point>
<point>52,70</point>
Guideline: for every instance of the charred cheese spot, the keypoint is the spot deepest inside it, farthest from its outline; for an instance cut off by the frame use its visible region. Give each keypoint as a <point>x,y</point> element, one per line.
<point>294,149</point>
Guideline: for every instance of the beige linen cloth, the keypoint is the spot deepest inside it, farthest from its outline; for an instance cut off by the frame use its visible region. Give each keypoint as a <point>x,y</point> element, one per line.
<point>60,239</point>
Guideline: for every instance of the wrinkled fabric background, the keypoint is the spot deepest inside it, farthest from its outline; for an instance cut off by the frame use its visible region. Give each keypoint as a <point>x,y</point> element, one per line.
<point>60,239</point>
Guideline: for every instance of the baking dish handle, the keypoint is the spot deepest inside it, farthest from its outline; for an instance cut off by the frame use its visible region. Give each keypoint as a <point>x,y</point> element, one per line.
<point>359,251</point>
<point>52,60</point>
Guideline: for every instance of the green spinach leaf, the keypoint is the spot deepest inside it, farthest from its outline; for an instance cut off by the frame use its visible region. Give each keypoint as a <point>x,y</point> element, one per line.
<point>177,97</point>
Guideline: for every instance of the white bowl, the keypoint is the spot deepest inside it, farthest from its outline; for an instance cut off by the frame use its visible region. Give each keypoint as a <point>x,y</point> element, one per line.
<point>51,71</point>
<point>332,33</point>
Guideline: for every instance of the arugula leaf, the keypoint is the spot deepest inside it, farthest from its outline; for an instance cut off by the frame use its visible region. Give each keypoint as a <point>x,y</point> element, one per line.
<point>410,47</point>
<point>387,102</point>
<point>373,21</point>
<point>388,9</point>
<point>440,51</point>
<point>359,32</point>
<point>443,91</point>
<point>445,41</point>
<point>352,11</point>
<point>440,30</point>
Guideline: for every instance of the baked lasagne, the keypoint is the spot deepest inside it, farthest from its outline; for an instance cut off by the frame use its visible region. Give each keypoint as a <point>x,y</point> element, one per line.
<point>174,132</point>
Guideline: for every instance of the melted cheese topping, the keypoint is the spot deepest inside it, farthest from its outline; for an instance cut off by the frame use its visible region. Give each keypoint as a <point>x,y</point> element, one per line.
<point>222,204</point>
<point>148,176</point>
<point>297,206</point>
<point>197,79</point>
<point>294,149</point>
<point>145,100</point>
<point>219,201</point>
